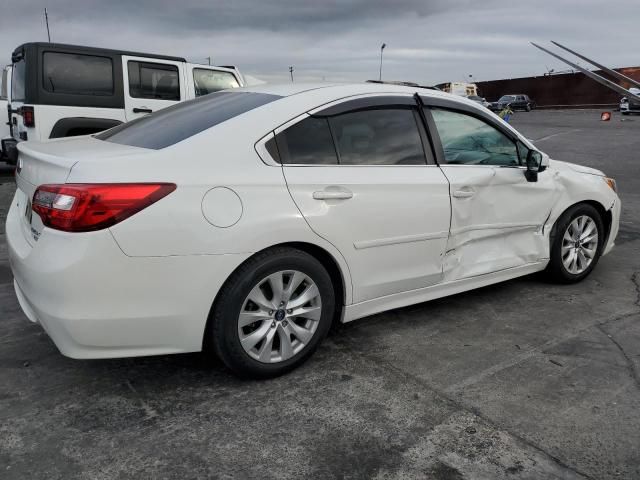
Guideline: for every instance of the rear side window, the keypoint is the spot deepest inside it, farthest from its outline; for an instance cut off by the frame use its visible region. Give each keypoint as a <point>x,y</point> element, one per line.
<point>183,120</point>
<point>18,81</point>
<point>153,80</point>
<point>378,137</point>
<point>208,81</point>
<point>308,142</point>
<point>75,74</point>
<point>387,136</point>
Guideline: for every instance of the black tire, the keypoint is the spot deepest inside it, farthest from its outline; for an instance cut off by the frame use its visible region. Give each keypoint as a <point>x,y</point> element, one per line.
<point>625,113</point>
<point>528,107</point>
<point>556,269</point>
<point>224,335</point>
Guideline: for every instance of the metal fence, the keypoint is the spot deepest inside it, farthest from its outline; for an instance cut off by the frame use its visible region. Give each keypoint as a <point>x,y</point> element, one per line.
<point>565,90</point>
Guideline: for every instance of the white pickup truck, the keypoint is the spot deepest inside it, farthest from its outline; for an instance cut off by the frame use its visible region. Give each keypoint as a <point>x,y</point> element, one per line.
<point>66,90</point>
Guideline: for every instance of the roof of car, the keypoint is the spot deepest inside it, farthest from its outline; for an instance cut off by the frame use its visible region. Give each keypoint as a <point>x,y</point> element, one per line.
<point>288,89</point>
<point>95,50</point>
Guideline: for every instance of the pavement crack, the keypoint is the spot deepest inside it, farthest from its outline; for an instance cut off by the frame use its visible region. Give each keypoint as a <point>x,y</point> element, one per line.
<point>635,278</point>
<point>149,411</point>
<point>630,365</point>
<point>385,364</point>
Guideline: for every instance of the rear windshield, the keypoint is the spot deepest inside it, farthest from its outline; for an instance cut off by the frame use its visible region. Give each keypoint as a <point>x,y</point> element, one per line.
<point>18,81</point>
<point>178,122</point>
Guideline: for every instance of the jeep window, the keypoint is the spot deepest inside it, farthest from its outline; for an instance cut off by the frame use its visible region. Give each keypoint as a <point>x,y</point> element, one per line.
<point>76,74</point>
<point>153,80</point>
<point>3,85</point>
<point>18,81</point>
<point>183,120</point>
<point>209,81</point>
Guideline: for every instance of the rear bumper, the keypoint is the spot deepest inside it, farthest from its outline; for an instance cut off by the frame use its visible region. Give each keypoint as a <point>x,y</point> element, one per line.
<point>96,302</point>
<point>625,107</point>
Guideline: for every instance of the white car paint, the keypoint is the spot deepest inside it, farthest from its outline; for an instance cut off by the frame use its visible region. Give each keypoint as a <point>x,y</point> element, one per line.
<point>146,285</point>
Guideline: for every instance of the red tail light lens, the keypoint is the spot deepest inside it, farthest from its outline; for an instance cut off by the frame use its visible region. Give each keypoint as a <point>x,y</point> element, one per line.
<point>28,116</point>
<point>89,207</point>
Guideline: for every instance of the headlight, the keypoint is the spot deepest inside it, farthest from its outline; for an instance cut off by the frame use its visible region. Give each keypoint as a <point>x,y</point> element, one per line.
<point>612,184</point>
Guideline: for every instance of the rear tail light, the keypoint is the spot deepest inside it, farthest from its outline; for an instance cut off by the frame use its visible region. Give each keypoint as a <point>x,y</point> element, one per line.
<point>28,116</point>
<point>89,207</point>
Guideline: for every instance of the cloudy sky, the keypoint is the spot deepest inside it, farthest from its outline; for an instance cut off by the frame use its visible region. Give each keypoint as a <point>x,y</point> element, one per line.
<point>428,41</point>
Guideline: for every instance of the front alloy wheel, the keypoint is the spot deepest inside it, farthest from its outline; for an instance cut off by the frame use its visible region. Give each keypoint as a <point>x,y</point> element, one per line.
<point>576,244</point>
<point>579,244</point>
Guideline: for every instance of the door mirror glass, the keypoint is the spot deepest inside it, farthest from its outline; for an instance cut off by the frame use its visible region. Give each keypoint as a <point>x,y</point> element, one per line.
<point>534,160</point>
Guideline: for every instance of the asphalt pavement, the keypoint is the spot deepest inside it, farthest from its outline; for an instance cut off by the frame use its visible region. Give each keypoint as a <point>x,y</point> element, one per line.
<point>520,380</point>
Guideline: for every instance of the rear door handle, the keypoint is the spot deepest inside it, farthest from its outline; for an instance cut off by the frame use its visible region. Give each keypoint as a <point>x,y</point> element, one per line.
<point>333,195</point>
<point>463,193</point>
<point>142,110</point>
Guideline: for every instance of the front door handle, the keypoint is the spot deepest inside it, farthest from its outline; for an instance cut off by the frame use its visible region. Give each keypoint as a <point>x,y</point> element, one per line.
<point>333,195</point>
<point>463,193</point>
<point>142,110</point>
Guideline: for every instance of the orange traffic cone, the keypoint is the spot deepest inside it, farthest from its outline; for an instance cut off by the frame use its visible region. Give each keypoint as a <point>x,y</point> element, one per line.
<point>605,116</point>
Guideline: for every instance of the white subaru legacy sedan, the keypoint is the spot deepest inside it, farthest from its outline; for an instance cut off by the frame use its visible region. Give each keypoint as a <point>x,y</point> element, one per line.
<point>248,221</point>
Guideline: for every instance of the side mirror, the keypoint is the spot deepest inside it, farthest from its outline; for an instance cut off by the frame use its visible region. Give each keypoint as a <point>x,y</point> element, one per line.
<point>534,162</point>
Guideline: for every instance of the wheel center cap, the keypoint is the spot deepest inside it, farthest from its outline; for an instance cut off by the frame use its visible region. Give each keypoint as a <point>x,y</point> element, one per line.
<point>280,314</point>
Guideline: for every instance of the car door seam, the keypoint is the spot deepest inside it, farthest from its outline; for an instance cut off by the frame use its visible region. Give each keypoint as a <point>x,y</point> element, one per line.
<point>286,183</point>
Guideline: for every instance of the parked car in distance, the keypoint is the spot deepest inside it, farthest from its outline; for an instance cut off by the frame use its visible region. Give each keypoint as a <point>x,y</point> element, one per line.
<point>69,90</point>
<point>480,100</point>
<point>245,222</point>
<point>516,102</point>
<point>630,106</point>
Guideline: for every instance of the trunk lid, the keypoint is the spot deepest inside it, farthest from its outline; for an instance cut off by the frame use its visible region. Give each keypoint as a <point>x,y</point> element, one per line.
<point>49,162</point>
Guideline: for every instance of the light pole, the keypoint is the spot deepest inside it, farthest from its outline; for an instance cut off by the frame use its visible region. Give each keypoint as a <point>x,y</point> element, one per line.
<point>381,49</point>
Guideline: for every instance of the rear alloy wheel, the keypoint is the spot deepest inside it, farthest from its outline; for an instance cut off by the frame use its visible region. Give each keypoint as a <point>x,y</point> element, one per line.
<point>272,313</point>
<point>528,107</point>
<point>279,316</point>
<point>577,242</point>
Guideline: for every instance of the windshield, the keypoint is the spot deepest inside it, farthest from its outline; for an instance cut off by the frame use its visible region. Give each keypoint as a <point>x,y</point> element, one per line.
<point>209,81</point>
<point>178,122</point>
<point>18,81</point>
<point>507,98</point>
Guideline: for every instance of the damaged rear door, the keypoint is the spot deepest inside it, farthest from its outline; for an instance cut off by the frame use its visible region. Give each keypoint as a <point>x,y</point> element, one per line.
<point>497,216</point>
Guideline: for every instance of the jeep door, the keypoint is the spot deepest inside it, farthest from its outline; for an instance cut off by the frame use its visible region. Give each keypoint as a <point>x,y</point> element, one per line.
<point>151,84</point>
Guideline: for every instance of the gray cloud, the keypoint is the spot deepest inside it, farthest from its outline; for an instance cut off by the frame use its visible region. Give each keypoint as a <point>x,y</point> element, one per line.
<point>427,41</point>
